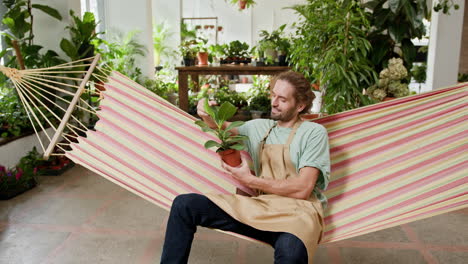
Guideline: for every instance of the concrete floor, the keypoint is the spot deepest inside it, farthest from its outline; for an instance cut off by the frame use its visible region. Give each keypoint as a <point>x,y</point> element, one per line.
<point>79,217</point>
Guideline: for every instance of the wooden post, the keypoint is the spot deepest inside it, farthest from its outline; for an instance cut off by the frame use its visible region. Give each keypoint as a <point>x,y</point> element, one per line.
<point>70,108</point>
<point>183,91</point>
<point>19,56</point>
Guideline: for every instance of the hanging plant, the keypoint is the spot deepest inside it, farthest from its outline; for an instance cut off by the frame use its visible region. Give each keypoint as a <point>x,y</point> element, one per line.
<point>243,4</point>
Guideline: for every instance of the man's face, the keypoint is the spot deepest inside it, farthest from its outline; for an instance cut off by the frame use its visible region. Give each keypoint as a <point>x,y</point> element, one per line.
<point>283,104</point>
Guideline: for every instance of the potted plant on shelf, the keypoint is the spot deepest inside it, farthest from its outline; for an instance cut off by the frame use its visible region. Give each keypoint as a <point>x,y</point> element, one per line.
<point>259,105</point>
<point>217,52</point>
<point>270,43</point>
<point>188,51</point>
<point>229,145</point>
<point>202,52</point>
<point>283,49</point>
<point>237,52</point>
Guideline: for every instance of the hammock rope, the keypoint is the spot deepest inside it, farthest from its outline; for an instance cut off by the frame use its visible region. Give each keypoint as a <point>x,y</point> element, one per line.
<point>392,163</point>
<point>42,91</point>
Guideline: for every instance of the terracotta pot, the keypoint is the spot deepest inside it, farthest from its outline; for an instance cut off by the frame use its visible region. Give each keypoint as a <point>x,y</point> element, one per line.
<point>231,157</point>
<point>242,4</point>
<point>202,58</point>
<point>99,85</point>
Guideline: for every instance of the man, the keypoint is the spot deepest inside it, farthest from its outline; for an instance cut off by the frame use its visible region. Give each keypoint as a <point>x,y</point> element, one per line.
<point>292,159</point>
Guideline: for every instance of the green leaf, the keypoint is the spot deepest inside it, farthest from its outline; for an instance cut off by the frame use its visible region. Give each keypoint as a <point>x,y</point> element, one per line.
<point>209,110</point>
<point>48,10</point>
<point>235,124</point>
<point>69,49</point>
<point>9,22</point>
<point>204,126</point>
<point>237,147</point>
<point>212,143</point>
<point>8,34</point>
<point>394,5</point>
<point>226,111</point>
<point>409,51</point>
<point>88,17</point>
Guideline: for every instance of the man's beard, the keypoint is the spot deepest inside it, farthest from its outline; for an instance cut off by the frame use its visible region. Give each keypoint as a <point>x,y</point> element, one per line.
<point>283,116</point>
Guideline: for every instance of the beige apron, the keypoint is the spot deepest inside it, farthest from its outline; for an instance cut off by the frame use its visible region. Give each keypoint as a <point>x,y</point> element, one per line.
<point>270,212</point>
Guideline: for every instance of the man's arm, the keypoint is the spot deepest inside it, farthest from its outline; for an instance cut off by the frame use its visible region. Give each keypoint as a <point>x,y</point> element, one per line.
<point>207,118</point>
<point>299,187</point>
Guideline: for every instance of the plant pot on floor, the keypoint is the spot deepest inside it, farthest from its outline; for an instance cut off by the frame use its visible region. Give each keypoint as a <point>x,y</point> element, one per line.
<point>231,157</point>
<point>55,167</point>
<point>17,190</point>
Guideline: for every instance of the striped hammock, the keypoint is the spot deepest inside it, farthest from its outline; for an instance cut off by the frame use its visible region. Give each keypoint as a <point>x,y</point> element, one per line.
<point>392,163</point>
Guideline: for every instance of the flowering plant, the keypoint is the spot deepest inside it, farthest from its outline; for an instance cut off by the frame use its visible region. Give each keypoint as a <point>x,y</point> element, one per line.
<point>390,84</point>
<point>22,175</point>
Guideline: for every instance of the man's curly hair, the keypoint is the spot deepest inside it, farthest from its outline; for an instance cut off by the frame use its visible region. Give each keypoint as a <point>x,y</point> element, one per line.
<point>303,91</point>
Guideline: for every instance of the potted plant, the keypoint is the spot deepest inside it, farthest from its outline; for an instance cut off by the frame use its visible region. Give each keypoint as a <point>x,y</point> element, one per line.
<point>160,46</point>
<point>259,105</point>
<point>419,74</point>
<point>283,46</point>
<point>271,43</point>
<point>237,52</point>
<point>217,52</point>
<point>229,145</point>
<point>390,84</point>
<point>188,51</point>
<point>14,181</point>
<point>243,3</point>
<point>202,52</point>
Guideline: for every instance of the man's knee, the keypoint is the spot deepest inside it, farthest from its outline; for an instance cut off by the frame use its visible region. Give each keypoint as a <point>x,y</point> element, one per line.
<point>185,203</point>
<point>290,249</point>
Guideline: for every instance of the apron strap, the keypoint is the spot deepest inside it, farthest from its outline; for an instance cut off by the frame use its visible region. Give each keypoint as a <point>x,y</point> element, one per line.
<point>293,133</point>
<point>268,132</point>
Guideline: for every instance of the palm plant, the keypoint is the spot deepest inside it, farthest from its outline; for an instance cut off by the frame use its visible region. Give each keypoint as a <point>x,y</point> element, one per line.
<point>161,49</point>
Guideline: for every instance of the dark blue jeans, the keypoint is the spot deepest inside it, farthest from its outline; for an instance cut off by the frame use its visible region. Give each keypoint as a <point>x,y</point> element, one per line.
<point>191,210</point>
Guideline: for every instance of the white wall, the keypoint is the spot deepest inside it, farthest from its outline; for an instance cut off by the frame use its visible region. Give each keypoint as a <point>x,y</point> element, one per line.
<point>444,48</point>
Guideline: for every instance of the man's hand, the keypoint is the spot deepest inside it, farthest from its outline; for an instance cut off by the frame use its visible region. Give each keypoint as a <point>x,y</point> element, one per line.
<point>241,173</point>
<point>201,108</point>
<point>203,114</point>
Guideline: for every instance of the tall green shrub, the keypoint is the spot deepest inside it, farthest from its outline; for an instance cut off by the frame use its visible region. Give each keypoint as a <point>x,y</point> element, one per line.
<point>330,48</point>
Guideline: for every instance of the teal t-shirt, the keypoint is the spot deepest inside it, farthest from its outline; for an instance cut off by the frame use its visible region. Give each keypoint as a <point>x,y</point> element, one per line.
<point>309,147</point>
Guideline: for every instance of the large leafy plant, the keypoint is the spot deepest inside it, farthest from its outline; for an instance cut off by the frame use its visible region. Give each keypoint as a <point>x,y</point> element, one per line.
<point>82,33</point>
<point>221,114</point>
<point>18,20</point>
<point>161,48</point>
<point>394,24</point>
<point>331,49</point>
